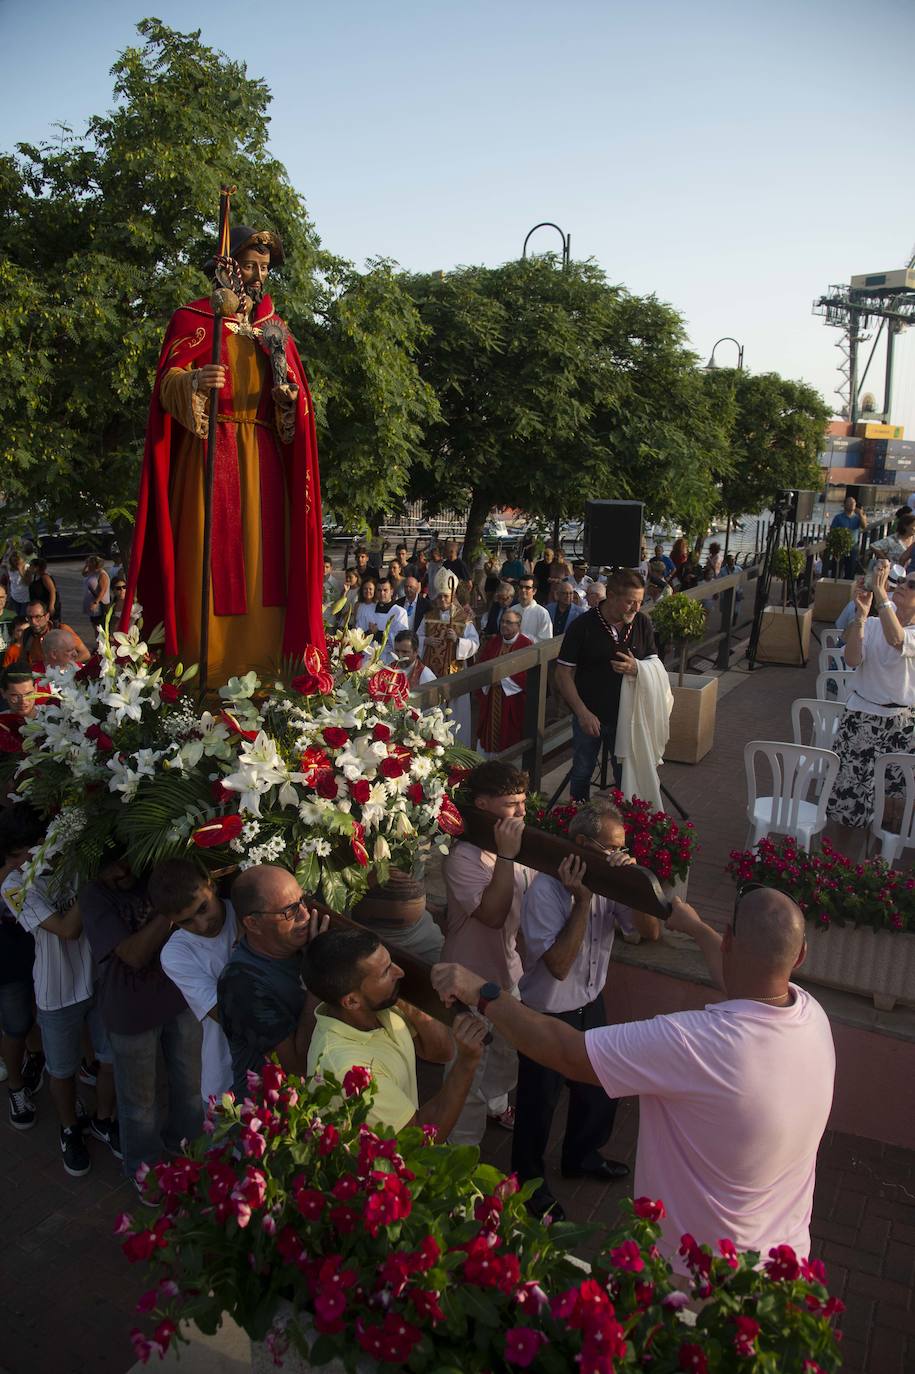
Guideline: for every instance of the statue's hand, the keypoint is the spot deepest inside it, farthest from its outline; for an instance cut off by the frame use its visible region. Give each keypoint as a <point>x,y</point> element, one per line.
<point>286,395</point>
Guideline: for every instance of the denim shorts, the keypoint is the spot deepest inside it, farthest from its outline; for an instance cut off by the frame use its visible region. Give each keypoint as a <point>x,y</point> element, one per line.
<point>61,1037</point>
<point>17,1008</point>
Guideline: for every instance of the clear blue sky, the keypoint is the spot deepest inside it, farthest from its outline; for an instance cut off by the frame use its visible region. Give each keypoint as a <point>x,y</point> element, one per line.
<point>735,158</point>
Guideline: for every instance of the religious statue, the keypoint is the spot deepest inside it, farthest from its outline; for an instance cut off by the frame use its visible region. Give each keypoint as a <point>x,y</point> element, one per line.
<point>265,587</point>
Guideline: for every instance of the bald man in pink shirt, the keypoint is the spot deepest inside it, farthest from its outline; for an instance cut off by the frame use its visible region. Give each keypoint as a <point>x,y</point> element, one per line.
<point>733,1099</point>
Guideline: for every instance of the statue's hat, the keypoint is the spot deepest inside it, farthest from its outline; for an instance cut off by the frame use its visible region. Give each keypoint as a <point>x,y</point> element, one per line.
<point>242,236</point>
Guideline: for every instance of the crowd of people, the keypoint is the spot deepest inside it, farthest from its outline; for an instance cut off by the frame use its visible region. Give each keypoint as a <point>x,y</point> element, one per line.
<point>457,612</point>
<point>156,989</point>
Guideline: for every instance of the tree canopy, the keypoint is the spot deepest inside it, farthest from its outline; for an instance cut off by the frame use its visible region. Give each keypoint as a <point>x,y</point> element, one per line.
<point>103,235</point>
<point>556,386</point>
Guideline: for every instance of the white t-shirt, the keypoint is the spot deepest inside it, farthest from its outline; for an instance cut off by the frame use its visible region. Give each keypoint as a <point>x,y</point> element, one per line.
<point>885,674</point>
<point>194,963</point>
<point>733,1101</point>
<point>64,972</point>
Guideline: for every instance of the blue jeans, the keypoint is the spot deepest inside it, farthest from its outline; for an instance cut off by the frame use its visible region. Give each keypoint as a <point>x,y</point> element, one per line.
<point>137,1082</point>
<point>61,1036</point>
<point>585,753</point>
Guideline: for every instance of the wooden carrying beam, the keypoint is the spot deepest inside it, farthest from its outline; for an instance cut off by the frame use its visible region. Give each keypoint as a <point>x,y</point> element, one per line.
<point>634,886</point>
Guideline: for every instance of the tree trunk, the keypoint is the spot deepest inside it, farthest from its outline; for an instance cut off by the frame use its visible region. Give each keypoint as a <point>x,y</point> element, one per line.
<point>682,662</point>
<point>476,519</point>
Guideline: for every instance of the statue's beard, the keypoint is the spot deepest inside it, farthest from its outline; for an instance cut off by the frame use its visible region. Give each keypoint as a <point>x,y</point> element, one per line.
<point>255,292</point>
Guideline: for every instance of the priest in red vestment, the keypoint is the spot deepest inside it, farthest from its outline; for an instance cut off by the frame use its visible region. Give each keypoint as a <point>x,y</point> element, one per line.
<point>501,721</point>
<point>266,566</point>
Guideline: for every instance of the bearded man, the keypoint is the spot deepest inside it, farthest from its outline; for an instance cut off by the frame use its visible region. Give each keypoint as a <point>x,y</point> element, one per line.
<point>501,721</point>
<point>266,565</point>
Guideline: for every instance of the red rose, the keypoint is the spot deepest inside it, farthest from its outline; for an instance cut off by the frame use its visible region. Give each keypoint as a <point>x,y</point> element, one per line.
<point>391,768</point>
<point>389,684</point>
<point>326,785</point>
<point>218,831</point>
<point>652,1211</point>
<point>168,691</point>
<point>335,736</point>
<point>357,842</point>
<point>381,733</point>
<point>415,793</point>
<point>352,662</point>
<point>221,793</point>
<point>313,684</point>
<point>91,669</point>
<point>449,818</point>
<point>100,739</point>
<point>359,791</point>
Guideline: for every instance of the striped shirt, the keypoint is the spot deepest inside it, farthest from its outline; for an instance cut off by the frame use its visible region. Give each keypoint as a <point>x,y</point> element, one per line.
<point>64,972</point>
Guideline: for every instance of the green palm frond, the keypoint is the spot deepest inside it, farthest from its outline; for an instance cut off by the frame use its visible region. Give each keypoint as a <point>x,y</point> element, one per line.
<point>156,824</point>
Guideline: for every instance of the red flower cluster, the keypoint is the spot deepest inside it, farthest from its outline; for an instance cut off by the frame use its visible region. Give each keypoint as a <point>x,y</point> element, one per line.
<point>588,1309</point>
<point>316,680</point>
<point>653,838</point>
<point>828,886</point>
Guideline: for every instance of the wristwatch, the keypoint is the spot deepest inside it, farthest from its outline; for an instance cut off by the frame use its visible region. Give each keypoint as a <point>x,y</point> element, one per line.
<point>488,993</point>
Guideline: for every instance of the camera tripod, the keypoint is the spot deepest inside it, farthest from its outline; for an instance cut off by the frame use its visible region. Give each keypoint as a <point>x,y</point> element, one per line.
<point>600,777</point>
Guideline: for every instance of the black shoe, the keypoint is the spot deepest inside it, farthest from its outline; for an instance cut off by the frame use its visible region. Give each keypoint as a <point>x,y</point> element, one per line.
<point>88,1073</point>
<point>73,1149</point>
<point>544,1206</point>
<point>32,1071</point>
<point>22,1113</point>
<point>607,1171</point>
<point>107,1132</point>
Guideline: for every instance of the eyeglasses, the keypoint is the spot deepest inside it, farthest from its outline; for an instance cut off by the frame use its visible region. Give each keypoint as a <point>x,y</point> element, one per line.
<point>285,913</point>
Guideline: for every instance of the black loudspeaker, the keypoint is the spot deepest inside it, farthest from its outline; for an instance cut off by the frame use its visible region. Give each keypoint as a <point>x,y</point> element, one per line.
<point>798,505</point>
<point>613,533</point>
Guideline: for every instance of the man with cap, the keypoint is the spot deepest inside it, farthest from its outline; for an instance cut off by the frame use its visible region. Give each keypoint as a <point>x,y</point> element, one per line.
<point>265,602</point>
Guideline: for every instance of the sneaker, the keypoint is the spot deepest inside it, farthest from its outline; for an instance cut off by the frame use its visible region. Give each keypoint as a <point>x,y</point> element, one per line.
<point>107,1132</point>
<point>73,1149</point>
<point>545,1207</point>
<point>22,1113</point>
<point>88,1073</point>
<point>504,1119</point>
<point>33,1071</point>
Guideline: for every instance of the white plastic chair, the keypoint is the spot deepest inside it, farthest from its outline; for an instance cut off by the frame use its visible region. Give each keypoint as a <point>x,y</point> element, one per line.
<point>832,661</point>
<point>795,770</point>
<point>835,686</point>
<point>831,639</point>
<point>816,723</point>
<point>892,843</point>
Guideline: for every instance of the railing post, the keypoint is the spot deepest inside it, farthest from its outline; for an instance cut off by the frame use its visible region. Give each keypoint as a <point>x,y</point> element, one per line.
<point>535,722</point>
<point>727,601</point>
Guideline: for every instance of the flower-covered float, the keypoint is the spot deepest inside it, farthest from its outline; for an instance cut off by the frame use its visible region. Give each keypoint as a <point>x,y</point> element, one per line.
<point>329,771</point>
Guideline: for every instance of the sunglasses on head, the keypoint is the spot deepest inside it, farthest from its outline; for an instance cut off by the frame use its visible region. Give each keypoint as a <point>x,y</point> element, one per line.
<point>744,889</point>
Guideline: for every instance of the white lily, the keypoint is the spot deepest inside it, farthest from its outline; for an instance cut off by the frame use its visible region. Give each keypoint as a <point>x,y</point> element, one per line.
<point>260,768</point>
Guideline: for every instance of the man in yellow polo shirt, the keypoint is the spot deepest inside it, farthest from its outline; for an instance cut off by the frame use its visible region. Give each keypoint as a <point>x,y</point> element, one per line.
<point>361,1022</point>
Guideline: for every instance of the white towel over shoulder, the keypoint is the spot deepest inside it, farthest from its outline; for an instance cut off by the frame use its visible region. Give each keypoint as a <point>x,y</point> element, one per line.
<point>642,729</point>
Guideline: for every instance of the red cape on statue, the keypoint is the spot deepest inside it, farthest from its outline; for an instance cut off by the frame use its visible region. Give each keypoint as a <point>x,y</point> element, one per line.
<point>151,579</point>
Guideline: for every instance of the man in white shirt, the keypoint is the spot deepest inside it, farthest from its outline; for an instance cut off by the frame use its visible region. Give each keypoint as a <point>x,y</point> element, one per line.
<point>388,617</point>
<point>733,1100</point>
<point>195,955</point>
<point>536,624</point>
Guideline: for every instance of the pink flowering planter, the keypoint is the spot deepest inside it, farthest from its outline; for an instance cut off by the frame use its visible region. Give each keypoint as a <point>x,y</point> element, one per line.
<point>877,963</point>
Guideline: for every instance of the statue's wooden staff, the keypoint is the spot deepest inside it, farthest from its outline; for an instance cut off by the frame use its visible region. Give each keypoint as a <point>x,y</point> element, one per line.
<point>632,885</point>
<point>226,299</point>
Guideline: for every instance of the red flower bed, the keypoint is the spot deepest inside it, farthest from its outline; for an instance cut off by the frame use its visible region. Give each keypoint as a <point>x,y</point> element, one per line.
<point>653,838</point>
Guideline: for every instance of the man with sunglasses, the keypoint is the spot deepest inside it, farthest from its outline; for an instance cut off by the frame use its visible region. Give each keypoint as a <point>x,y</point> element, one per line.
<point>260,994</point>
<point>733,1099</point>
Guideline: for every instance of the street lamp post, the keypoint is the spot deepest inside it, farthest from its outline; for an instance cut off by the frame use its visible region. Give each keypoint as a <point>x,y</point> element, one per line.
<point>727,339</point>
<point>710,365</point>
<point>566,240</point>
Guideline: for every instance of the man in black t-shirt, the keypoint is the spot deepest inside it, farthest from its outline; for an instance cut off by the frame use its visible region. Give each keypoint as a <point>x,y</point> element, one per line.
<point>598,650</point>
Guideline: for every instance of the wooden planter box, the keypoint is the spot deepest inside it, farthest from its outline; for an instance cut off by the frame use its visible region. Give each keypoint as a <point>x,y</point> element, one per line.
<point>778,641</point>
<point>877,963</point>
<point>831,596</point>
<point>692,720</point>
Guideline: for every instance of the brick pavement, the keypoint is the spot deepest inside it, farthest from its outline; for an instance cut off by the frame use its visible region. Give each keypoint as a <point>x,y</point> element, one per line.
<point>67,1295</point>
